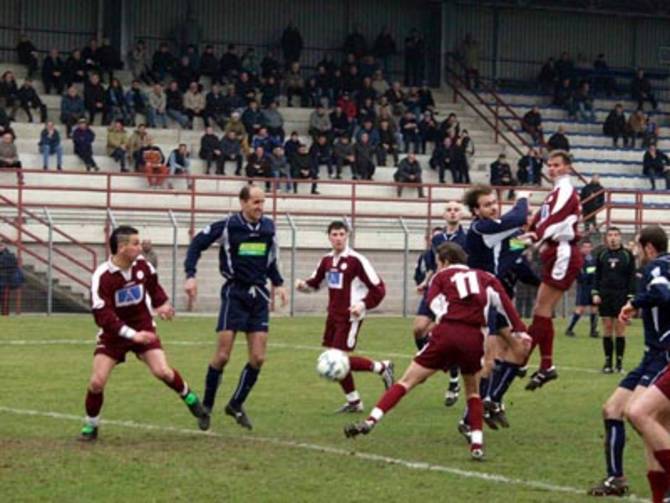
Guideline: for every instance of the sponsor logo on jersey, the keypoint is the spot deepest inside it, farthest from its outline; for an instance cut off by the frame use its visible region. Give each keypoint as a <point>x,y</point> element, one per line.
<point>129,296</point>
<point>252,249</point>
<point>335,279</point>
<point>140,274</point>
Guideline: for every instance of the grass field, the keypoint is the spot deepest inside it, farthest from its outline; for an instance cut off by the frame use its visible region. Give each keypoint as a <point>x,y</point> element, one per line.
<point>150,450</point>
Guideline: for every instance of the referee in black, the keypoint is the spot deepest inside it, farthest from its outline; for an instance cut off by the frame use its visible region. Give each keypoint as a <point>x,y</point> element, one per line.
<point>614,285</point>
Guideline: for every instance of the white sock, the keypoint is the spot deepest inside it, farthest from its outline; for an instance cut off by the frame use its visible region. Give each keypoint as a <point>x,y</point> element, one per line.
<point>476,437</point>
<point>376,414</point>
<point>93,421</point>
<point>353,397</point>
<point>378,367</point>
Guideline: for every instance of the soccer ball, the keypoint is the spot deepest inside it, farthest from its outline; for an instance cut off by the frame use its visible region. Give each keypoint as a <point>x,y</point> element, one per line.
<point>333,365</point>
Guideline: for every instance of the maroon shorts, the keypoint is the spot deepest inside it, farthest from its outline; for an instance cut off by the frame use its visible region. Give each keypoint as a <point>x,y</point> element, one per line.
<point>116,347</point>
<point>453,344</point>
<point>662,381</point>
<point>341,334</point>
<point>561,264</point>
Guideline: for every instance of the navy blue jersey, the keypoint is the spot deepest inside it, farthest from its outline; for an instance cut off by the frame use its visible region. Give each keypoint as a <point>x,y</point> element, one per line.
<point>457,237</point>
<point>489,242</point>
<point>248,251</point>
<point>587,274</point>
<point>520,270</point>
<point>421,267</point>
<point>653,297</point>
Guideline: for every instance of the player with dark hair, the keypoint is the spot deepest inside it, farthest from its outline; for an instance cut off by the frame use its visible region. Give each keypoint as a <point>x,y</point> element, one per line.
<point>583,298</point>
<point>643,396</point>
<point>354,287</point>
<point>613,286</point>
<point>120,292</point>
<point>555,233</point>
<point>460,298</point>
<point>248,256</point>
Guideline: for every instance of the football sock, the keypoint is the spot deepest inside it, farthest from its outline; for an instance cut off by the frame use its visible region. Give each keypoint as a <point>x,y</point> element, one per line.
<point>212,381</point>
<point>663,458</point>
<point>388,400</point>
<point>347,384</point>
<point>539,330</point>
<point>453,375</point>
<point>594,322</point>
<point>247,380</point>
<point>658,482</point>
<point>178,384</point>
<point>573,321</point>
<point>93,406</point>
<point>507,372</point>
<point>607,347</point>
<point>546,343</point>
<point>420,342</point>
<point>483,387</point>
<point>476,420</point>
<point>361,364</point>
<point>620,347</point>
<point>615,441</point>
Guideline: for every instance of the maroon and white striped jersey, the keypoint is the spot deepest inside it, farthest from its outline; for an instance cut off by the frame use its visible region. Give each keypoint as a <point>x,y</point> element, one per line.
<point>121,299</point>
<point>351,279</point>
<point>458,293</point>
<point>559,214</point>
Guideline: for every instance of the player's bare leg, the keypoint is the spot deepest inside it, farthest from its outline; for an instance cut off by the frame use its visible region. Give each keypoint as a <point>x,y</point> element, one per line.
<point>226,340</point>
<point>158,365</point>
<point>384,368</point>
<point>414,375</point>
<point>542,333</point>
<point>257,343</point>
<point>102,369</point>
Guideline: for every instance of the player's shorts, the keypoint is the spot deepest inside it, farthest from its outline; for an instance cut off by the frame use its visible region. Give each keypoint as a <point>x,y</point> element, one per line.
<point>423,309</point>
<point>453,344</point>
<point>496,321</point>
<point>611,303</point>
<point>583,297</point>
<point>341,334</point>
<point>652,364</point>
<point>116,347</point>
<point>561,264</point>
<point>244,308</point>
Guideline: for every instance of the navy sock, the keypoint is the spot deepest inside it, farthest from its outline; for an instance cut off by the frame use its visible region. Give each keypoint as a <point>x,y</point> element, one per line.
<point>483,387</point>
<point>212,381</point>
<point>247,380</point>
<point>573,321</point>
<point>594,322</point>
<point>615,440</point>
<point>420,342</point>
<point>453,374</point>
<point>620,348</point>
<point>608,346</point>
<point>507,373</point>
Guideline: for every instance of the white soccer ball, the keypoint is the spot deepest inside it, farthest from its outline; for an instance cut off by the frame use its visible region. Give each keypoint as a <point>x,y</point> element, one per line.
<point>333,365</point>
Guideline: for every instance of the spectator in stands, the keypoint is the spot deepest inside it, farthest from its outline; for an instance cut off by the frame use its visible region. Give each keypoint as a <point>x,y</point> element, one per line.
<point>615,126</point>
<point>231,150</point>
<point>148,252</point>
<point>355,43</point>
<point>637,125</point>
<point>470,55</point>
<point>383,48</point>
<point>428,130</point>
<point>270,66</point>
<point>71,109</point>
<point>655,165</point>
<point>4,124</point>
<point>209,64</point>
<point>252,118</point>
<point>108,58</point>
<point>258,165</point>
<point>529,168</point>
<point>215,107</point>
<point>116,105</point>
<point>321,153</point>
<point>558,141</point>
<point>301,169</point>
<point>340,122</point>
<point>531,123</point>
<point>179,162</point>
<point>319,123</point>
<point>592,197</point>
<point>194,104</point>
<point>263,139</point>
<point>468,147</point>
<point>564,97</point>
<point>229,64</point>
<point>565,68</point>
<point>117,144</point>
<point>90,56</point>
<point>650,133</point>
<point>410,132</point>
<point>409,172</point>
<point>11,276</point>
<point>450,127</point>
<point>157,105</point>
<point>137,102</point>
<point>94,98</point>
<point>270,91</point>
<point>367,66</point>
<point>440,160</point>
<point>388,144</point>
<point>9,155</point>
<point>603,81</point>
<point>52,72</point>
<point>50,145</point>
<point>364,151</point>
<point>27,54</point>
<point>138,63</point>
<point>291,44</point>
<point>373,133</point>
<point>274,122</point>
<point>642,91</point>
<point>152,163</point>
<point>280,167</point>
<point>184,74</point>
<point>458,160</point>
<point>235,124</point>
<point>75,69</point>
<point>163,61</point>
<point>83,138</point>
<point>584,103</point>
<point>139,139</point>
<point>501,173</point>
<point>426,100</point>
<point>210,150</point>
<point>174,105</point>
<point>29,99</point>
<point>250,63</point>
<point>343,152</point>
<point>415,53</point>
<point>547,77</point>
<point>367,112</point>
<point>379,83</point>
<point>291,145</point>
<point>246,88</point>
<point>9,92</point>
<point>295,84</point>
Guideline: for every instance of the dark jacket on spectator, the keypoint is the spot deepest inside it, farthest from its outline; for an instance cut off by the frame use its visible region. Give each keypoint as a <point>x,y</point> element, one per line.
<point>595,203</point>
<point>615,124</point>
<point>558,141</point>
<point>208,144</point>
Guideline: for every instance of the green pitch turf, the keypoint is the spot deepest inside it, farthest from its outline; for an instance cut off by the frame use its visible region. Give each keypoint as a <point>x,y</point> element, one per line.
<point>151,451</point>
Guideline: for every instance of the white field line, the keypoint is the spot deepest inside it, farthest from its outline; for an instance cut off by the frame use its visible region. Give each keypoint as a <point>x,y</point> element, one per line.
<point>79,342</point>
<point>376,458</point>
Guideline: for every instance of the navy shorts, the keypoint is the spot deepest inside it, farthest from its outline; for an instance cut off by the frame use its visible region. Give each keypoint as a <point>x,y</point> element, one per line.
<point>653,361</point>
<point>496,321</point>
<point>423,309</point>
<point>244,308</point>
<point>583,296</point>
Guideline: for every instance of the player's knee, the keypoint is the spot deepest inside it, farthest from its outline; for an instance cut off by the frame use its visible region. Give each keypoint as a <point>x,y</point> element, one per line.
<point>163,372</point>
<point>221,358</point>
<point>611,411</point>
<point>96,384</point>
<point>636,416</point>
<point>257,360</point>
